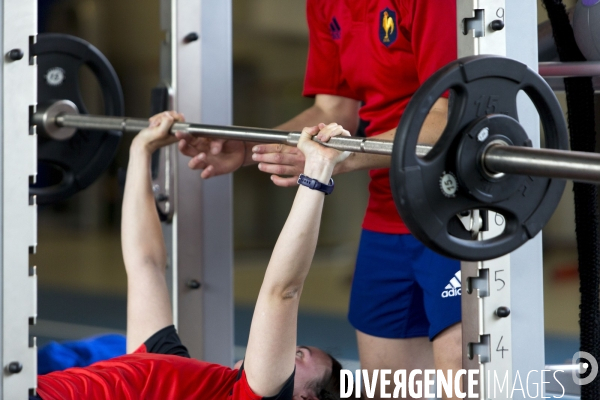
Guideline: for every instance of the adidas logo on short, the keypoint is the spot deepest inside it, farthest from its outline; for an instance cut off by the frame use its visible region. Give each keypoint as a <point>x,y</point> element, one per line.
<point>453,288</point>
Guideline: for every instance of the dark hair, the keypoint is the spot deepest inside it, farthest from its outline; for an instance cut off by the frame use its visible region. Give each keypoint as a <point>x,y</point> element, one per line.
<point>329,387</point>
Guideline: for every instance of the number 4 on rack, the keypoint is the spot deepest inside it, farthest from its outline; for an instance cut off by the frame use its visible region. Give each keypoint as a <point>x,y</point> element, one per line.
<point>502,350</point>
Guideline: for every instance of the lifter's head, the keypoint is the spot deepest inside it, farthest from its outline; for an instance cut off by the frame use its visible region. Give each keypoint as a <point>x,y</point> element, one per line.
<point>317,375</point>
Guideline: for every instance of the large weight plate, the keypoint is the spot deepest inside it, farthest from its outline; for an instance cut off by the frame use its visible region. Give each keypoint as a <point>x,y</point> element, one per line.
<point>66,167</point>
<point>482,86</point>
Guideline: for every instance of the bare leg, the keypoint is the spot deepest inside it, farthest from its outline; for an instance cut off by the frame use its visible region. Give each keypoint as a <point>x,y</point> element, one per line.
<point>447,351</point>
<point>393,354</point>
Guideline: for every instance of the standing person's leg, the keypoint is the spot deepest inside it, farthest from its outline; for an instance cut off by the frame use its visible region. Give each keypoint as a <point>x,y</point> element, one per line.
<point>411,354</point>
<point>386,307</point>
<point>447,348</point>
<point>440,280</point>
<point>393,354</point>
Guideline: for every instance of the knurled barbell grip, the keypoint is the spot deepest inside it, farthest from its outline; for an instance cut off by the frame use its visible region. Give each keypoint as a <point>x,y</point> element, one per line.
<point>352,144</point>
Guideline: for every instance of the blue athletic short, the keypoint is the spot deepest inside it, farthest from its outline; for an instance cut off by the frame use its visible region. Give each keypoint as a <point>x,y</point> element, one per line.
<point>401,289</point>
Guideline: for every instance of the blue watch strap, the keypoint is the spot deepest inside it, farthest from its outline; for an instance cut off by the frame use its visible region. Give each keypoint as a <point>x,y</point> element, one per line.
<point>315,184</point>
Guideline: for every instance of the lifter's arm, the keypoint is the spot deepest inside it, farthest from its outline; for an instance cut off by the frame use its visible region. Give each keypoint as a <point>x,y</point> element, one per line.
<point>270,356</point>
<point>148,303</point>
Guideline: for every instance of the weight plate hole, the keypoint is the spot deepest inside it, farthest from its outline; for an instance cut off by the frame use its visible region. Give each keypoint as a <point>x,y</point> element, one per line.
<point>521,96</point>
<point>437,117</point>
<point>91,92</point>
<point>489,222</point>
<point>48,175</point>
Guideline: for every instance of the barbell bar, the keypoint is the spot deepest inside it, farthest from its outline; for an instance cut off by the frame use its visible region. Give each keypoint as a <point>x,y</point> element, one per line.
<point>60,120</point>
<point>570,69</point>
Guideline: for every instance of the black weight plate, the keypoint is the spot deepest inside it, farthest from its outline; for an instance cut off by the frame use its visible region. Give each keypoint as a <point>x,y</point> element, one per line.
<point>66,167</point>
<point>482,85</point>
<point>484,185</point>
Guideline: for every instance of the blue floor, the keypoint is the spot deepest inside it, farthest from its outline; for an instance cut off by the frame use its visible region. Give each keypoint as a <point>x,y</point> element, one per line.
<point>560,349</point>
<point>333,334</point>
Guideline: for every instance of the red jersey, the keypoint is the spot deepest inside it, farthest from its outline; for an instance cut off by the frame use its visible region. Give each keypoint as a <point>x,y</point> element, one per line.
<point>147,376</point>
<point>378,52</point>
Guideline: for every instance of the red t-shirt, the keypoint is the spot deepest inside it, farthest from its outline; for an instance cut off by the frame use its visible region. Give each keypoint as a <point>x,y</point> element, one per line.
<point>378,52</point>
<point>146,376</point>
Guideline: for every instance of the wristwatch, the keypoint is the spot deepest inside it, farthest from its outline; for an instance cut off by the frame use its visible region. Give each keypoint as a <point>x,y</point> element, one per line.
<point>315,184</point>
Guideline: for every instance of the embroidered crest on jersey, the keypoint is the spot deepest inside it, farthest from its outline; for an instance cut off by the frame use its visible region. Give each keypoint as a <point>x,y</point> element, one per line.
<point>388,31</point>
<point>336,30</point>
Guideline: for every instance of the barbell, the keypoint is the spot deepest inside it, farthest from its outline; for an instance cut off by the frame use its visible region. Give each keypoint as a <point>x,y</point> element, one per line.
<point>61,121</point>
<point>483,160</point>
